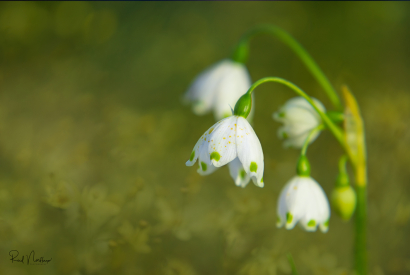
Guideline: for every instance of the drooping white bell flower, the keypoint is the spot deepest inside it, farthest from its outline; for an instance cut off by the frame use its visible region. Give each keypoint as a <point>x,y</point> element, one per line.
<point>303,200</point>
<point>218,88</point>
<point>231,140</point>
<point>299,118</point>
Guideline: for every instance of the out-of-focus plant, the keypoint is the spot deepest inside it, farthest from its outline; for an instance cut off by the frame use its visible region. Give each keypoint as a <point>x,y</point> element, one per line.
<point>232,140</point>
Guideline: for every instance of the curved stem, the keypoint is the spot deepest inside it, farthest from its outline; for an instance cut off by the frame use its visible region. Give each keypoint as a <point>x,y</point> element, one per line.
<point>297,48</point>
<point>337,132</point>
<point>307,140</point>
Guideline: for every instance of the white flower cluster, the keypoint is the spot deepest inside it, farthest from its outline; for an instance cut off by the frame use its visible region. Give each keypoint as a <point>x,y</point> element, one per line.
<point>233,141</point>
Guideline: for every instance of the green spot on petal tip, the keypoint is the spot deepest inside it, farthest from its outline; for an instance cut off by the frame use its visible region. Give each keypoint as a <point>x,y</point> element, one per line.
<point>215,155</point>
<point>253,167</point>
<point>311,223</point>
<point>203,166</point>
<point>289,217</point>
<point>242,174</point>
<point>192,156</point>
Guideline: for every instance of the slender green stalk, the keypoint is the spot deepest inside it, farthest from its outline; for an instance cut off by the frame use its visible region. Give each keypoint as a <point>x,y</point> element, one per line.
<point>307,140</point>
<point>354,128</point>
<point>360,230</point>
<point>342,164</point>
<point>292,264</point>
<point>360,247</point>
<point>336,131</point>
<point>241,53</point>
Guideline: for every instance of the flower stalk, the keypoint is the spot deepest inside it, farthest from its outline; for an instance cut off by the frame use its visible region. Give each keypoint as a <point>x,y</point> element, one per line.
<point>336,131</point>
<point>354,135</point>
<point>241,53</point>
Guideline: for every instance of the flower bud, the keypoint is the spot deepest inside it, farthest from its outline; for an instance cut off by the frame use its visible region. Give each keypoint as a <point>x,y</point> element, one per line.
<point>344,201</point>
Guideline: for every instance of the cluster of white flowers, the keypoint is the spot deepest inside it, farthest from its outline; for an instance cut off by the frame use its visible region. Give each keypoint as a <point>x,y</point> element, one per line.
<point>233,141</point>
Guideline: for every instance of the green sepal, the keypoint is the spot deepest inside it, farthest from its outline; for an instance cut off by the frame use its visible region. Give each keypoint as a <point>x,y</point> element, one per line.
<point>243,106</point>
<point>303,167</point>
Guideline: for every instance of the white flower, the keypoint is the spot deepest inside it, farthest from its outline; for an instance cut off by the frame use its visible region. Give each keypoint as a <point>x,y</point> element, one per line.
<point>299,118</point>
<point>218,88</point>
<point>231,140</point>
<point>303,200</point>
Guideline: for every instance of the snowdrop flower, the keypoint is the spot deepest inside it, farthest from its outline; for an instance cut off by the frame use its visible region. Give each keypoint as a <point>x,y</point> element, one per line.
<point>231,140</point>
<point>303,200</point>
<point>299,118</point>
<point>218,88</point>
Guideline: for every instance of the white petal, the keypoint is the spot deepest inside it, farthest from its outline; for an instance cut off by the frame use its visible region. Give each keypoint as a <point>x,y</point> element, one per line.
<point>317,209</point>
<point>296,199</point>
<point>299,118</point>
<point>250,151</point>
<point>301,103</point>
<point>295,141</point>
<point>203,139</point>
<point>202,90</point>
<point>237,173</point>
<point>221,143</point>
<point>282,208</point>
<point>205,165</point>
<point>232,85</point>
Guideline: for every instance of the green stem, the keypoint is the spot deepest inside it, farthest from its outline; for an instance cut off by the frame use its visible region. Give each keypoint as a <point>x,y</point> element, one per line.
<point>354,127</point>
<point>342,164</point>
<point>307,140</point>
<point>240,55</point>
<point>292,264</point>
<point>360,236</point>
<point>337,132</point>
<point>361,219</point>
<point>342,179</point>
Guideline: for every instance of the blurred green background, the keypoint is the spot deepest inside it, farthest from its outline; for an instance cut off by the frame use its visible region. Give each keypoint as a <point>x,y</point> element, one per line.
<point>94,138</point>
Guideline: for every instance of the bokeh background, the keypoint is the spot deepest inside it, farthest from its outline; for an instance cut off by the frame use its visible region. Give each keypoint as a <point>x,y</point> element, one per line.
<point>94,137</point>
